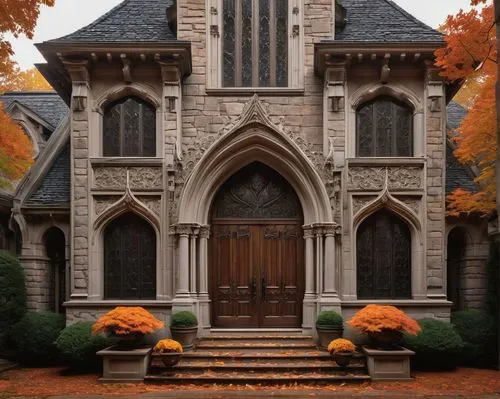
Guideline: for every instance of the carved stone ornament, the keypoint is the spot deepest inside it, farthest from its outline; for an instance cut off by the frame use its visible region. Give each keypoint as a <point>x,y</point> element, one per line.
<point>411,202</point>
<point>405,178</point>
<point>146,178</point>
<point>110,178</point>
<point>153,203</point>
<point>358,202</point>
<point>255,112</point>
<point>101,203</point>
<point>366,178</point>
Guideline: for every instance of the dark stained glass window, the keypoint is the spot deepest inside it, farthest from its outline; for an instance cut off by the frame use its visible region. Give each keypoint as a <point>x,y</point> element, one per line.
<point>129,129</point>
<point>129,259</point>
<point>383,251</point>
<point>384,129</point>
<point>255,43</point>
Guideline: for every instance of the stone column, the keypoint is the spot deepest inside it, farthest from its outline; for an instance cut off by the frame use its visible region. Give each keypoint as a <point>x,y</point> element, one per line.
<point>319,260</point>
<point>310,298</point>
<point>183,299</point>
<point>330,286</point>
<point>193,264</point>
<point>204,300</point>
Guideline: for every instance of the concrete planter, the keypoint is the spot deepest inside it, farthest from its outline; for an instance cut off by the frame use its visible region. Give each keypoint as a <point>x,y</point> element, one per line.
<point>388,364</point>
<point>185,336</point>
<point>124,365</point>
<point>327,334</point>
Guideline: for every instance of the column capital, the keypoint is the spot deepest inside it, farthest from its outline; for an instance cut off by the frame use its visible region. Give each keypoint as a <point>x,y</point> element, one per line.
<point>205,231</point>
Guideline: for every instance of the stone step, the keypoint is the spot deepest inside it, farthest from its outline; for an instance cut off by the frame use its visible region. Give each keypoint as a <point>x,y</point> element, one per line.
<point>224,339</point>
<point>235,377</point>
<point>231,346</point>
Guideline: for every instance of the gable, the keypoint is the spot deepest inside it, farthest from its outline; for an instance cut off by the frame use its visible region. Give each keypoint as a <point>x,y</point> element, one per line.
<point>382,21</point>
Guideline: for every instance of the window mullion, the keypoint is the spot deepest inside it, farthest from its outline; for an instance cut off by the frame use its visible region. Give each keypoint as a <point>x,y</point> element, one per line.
<point>238,63</point>
<point>141,130</point>
<point>272,43</point>
<point>255,43</point>
<point>122,130</point>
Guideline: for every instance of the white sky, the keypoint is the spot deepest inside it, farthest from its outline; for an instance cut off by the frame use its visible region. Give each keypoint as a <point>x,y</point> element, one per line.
<point>69,15</point>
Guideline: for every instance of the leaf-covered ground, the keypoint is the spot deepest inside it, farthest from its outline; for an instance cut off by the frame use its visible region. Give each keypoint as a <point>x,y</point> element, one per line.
<point>53,381</point>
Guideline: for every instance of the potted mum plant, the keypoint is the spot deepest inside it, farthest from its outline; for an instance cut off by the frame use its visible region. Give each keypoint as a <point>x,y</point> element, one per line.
<point>342,351</point>
<point>128,360</point>
<point>169,351</point>
<point>329,325</point>
<point>385,326</point>
<point>184,328</point>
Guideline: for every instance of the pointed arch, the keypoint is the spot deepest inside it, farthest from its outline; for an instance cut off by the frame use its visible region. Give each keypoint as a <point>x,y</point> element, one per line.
<point>254,138</point>
<point>400,92</point>
<point>143,91</point>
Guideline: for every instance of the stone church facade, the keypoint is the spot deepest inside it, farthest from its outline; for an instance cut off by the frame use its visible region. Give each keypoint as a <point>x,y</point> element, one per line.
<point>255,162</point>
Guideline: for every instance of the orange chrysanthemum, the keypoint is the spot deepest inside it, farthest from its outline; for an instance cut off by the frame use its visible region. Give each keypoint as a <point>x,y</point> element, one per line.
<point>123,321</point>
<point>375,318</point>
<point>168,346</point>
<point>341,345</point>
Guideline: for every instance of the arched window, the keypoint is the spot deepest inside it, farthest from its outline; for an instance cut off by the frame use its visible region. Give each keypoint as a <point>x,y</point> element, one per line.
<point>383,258</point>
<point>129,259</point>
<point>55,248</point>
<point>129,129</point>
<point>384,128</point>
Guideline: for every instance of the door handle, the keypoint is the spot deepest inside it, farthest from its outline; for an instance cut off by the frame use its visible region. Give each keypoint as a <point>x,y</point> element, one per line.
<point>263,287</point>
<point>253,288</point>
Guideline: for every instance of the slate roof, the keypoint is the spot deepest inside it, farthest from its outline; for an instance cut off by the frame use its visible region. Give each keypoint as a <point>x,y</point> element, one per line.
<point>55,187</point>
<point>48,105</point>
<point>130,21</point>
<point>383,21</point>
<point>457,174</point>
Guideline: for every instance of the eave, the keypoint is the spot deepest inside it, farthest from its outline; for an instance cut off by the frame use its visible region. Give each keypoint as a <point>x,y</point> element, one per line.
<point>326,52</point>
<point>57,52</point>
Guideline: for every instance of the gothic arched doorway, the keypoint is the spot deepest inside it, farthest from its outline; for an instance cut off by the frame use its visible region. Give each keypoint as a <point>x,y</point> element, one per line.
<point>256,272</point>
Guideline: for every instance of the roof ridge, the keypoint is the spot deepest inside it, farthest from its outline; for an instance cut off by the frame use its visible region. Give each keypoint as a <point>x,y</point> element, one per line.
<point>98,20</point>
<point>408,15</point>
<point>29,92</point>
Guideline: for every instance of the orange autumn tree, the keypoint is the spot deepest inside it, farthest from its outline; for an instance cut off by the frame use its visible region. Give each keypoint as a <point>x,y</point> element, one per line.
<point>15,151</point>
<point>470,56</point>
<point>127,321</point>
<point>30,79</point>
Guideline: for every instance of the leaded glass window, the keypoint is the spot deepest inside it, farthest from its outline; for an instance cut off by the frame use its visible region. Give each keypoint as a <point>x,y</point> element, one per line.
<point>129,259</point>
<point>383,250</point>
<point>255,43</point>
<point>384,129</point>
<point>129,129</point>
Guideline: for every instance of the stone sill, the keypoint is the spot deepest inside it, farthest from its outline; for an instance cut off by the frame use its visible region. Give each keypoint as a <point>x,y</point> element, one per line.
<point>378,161</point>
<point>111,304</point>
<point>126,161</point>
<point>398,302</point>
<point>250,91</point>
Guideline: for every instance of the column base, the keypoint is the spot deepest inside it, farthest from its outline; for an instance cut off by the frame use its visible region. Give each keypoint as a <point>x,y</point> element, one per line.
<point>204,324</point>
<point>309,314</point>
<point>329,302</point>
<point>183,302</point>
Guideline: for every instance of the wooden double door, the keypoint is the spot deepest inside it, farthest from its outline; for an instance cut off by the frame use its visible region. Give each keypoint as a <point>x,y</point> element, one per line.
<point>257,273</point>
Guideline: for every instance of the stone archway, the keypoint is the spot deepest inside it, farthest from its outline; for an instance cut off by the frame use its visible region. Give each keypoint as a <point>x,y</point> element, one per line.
<point>256,251</point>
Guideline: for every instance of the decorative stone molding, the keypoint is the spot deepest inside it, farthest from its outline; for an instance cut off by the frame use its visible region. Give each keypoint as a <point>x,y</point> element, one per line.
<point>366,178</point>
<point>153,203</point>
<point>146,178</point>
<point>110,178</point>
<point>359,202</point>
<point>405,178</point>
<point>102,203</point>
<point>141,178</point>
<point>411,202</point>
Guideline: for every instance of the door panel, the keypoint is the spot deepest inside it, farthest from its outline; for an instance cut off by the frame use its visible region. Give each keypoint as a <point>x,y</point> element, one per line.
<point>257,275</point>
<point>232,265</point>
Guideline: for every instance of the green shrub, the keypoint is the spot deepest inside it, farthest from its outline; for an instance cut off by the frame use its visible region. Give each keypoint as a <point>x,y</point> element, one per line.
<point>330,318</point>
<point>184,319</point>
<point>12,292</point>
<point>78,346</point>
<point>34,338</point>
<point>436,347</point>
<point>477,330</point>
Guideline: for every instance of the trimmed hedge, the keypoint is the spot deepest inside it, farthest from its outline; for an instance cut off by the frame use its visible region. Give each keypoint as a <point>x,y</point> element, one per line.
<point>437,346</point>
<point>34,338</point>
<point>330,318</point>
<point>78,346</point>
<point>184,318</point>
<point>12,292</point>
<point>477,330</point>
